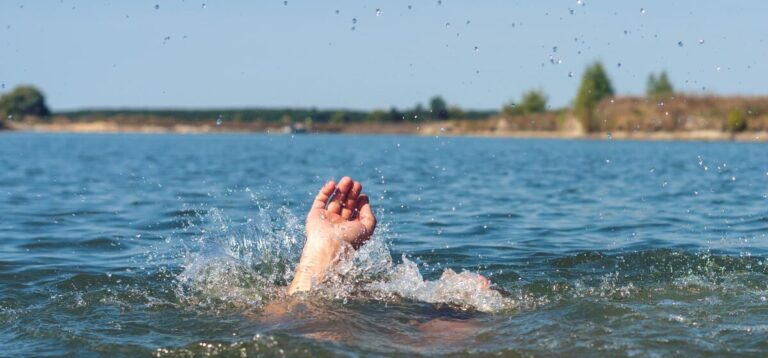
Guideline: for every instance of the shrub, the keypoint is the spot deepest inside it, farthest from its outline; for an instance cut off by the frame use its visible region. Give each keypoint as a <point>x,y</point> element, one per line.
<point>737,121</point>
<point>533,101</point>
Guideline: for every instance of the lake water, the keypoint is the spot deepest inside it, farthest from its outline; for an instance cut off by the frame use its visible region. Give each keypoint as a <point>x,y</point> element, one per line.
<point>177,245</point>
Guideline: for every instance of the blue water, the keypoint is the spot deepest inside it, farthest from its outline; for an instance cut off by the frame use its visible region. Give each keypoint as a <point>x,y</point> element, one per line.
<point>177,245</point>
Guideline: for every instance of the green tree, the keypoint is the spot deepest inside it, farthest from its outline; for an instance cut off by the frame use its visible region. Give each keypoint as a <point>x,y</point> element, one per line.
<point>595,85</point>
<point>737,121</point>
<point>660,87</point>
<point>338,117</point>
<point>439,108</point>
<point>533,101</point>
<point>378,116</point>
<point>395,115</point>
<point>455,112</point>
<point>417,113</point>
<point>24,101</point>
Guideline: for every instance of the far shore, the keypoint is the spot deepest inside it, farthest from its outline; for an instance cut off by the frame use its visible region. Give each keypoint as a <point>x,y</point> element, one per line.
<point>445,128</point>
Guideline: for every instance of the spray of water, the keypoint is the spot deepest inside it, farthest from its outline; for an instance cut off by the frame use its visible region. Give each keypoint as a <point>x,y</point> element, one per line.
<point>249,264</point>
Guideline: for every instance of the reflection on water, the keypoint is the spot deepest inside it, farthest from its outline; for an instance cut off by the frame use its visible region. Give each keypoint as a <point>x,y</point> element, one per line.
<point>181,245</point>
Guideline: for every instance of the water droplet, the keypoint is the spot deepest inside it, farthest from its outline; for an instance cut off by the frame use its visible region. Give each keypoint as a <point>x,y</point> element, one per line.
<point>679,44</point>
<point>439,2</point>
<point>610,136</point>
<point>203,6</point>
<point>701,41</point>
<point>378,12</point>
<point>337,12</point>
<point>10,117</point>
<point>570,74</point>
<point>717,68</point>
<point>219,120</point>
<point>580,2</point>
<point>157,6</point>
<point>554,48</point>
<point>354,20</point>
<point>618,64</point>
<point>353,28</point>
<point>477,49</point>
<point>447,24</point>
<point>410,7</point>
<point>285,3</point>
<point>733,178</point>
<point>2,86</point>
<point>571,11</point>
<point>607,161</point>
<point>642,10</point>
<point>468,22</point>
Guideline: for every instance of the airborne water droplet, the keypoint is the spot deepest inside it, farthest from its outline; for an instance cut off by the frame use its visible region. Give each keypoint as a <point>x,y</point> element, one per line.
<point>701,41</point>
<point>203,6</point>
<point>447,24</point>
<point>642,10</point>
<point>285,3</point>
<point>679,44</point>
<point>219,120</point>
<point>157,6</point>
<point>477,49</point>
<point>378,12</point>
<point>354,20</point>
<point>570,74</point>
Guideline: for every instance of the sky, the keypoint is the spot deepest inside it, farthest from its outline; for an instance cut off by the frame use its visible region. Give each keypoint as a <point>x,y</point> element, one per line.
<point>358,54</point>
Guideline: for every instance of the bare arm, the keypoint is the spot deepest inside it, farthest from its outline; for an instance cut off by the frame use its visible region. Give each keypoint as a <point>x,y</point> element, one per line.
<point>340,216</point>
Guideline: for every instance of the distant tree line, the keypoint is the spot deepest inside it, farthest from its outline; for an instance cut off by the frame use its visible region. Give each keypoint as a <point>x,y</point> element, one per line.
<point>595,86</point>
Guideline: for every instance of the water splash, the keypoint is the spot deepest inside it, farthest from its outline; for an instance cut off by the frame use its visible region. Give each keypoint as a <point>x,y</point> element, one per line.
<point>247,265</point>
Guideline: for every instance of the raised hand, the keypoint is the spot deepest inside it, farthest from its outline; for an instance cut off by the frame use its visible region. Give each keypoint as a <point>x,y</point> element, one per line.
<point>340,215</point>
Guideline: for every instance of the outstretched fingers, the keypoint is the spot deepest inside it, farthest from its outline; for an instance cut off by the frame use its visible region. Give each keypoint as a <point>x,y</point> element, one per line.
<point>349,209</point>
<point>340,196</point>
<point>365,213</point>
<point>325,193</point>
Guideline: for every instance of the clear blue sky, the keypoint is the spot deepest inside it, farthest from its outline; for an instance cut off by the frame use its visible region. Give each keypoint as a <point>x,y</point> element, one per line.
<point>87,54</point>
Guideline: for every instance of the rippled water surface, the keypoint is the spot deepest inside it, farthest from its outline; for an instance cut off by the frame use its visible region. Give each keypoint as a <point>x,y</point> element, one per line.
<point>172,245</point>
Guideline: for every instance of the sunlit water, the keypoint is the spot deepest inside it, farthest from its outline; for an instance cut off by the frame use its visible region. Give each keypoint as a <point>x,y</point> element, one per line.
<point>176,245</point>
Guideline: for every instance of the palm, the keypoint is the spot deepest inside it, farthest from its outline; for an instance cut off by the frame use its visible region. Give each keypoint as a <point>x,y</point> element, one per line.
<point>347,216</point>
<point>340,214</point>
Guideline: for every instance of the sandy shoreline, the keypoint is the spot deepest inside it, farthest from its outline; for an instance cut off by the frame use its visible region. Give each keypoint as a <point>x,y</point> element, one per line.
<point>418,129</point>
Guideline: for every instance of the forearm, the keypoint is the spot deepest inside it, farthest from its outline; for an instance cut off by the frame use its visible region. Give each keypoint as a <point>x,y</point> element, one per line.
<point>317,258</point>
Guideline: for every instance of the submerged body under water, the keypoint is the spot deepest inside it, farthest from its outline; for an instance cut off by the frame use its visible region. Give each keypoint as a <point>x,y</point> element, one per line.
<point>174,245</point>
